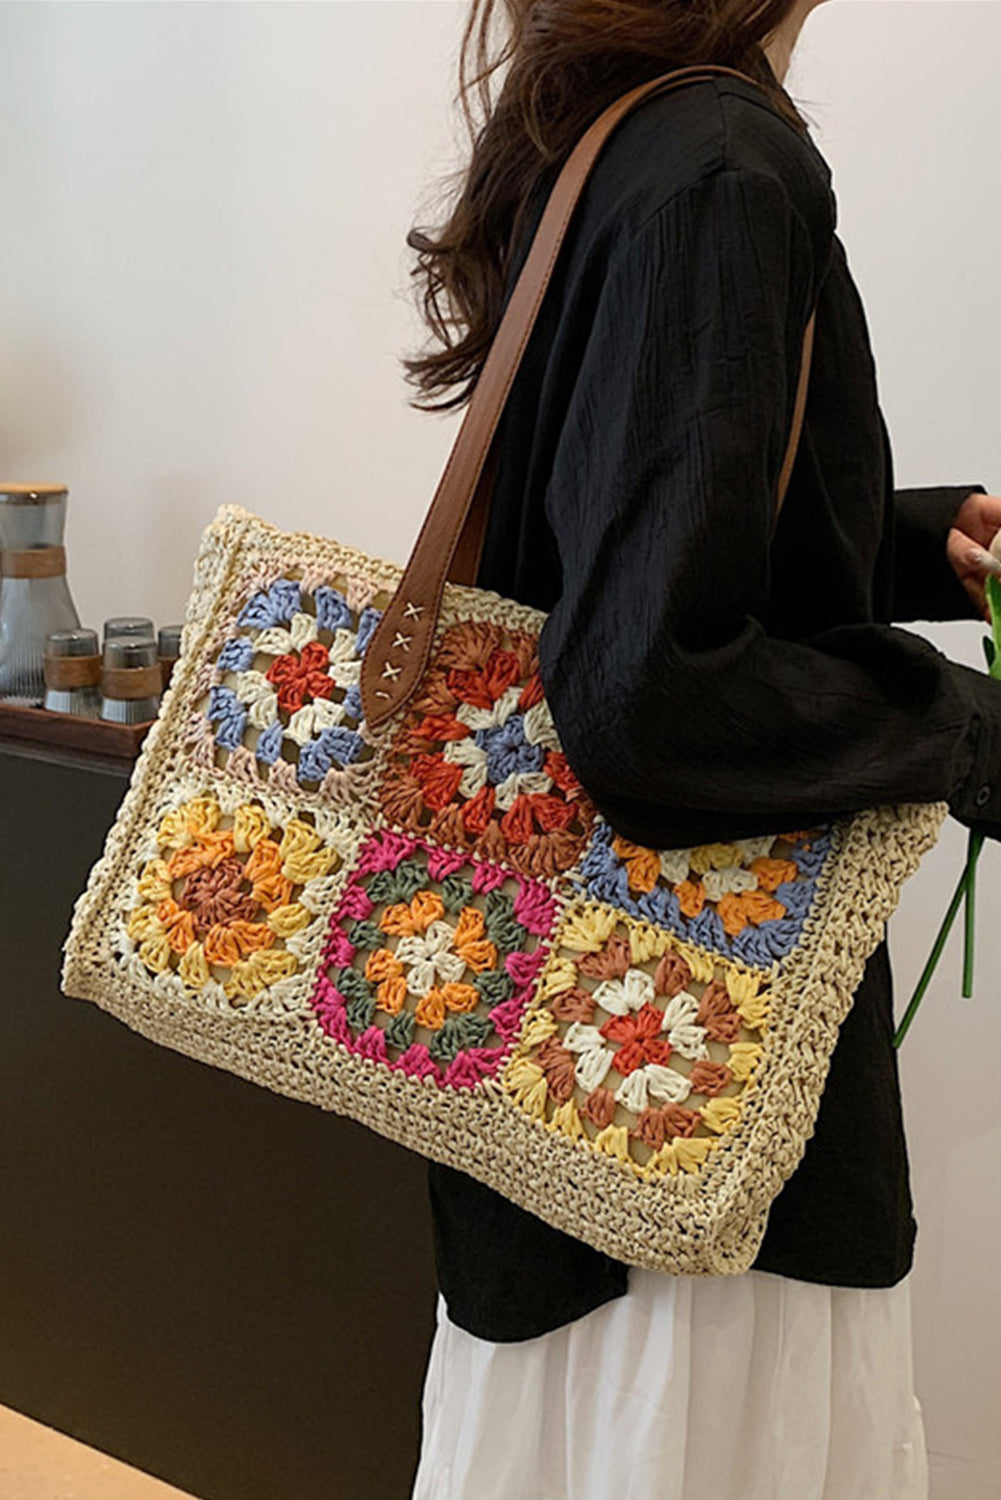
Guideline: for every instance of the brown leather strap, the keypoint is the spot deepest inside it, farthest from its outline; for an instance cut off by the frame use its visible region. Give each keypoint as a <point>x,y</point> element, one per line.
<point>469,547</point>
<point>797,415</point>
<point>33,562</point>
<point>400,647</point>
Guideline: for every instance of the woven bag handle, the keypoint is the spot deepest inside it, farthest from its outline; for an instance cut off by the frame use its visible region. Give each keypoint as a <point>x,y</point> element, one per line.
<point>400,646</point>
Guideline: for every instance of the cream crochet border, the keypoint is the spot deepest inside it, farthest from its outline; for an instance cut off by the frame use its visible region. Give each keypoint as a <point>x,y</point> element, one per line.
<point>706,1223</point>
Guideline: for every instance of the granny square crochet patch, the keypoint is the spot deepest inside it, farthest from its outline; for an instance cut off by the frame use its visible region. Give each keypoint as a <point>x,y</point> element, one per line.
<point>431,958</point>
<point>477,764</point>
<point>638,1046</point>
<point>227,898</point>
<point>282,705</point>
<point>747,899</point>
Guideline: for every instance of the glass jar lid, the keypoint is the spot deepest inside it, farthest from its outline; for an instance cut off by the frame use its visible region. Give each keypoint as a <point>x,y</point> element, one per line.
<point>82,642</point>
<point>32,494</point>
<point>169,640</point>
<point>125,651</point>
<point>128,627</point>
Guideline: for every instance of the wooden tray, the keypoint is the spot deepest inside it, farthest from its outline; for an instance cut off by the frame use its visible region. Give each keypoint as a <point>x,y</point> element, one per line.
<point>47,728</point>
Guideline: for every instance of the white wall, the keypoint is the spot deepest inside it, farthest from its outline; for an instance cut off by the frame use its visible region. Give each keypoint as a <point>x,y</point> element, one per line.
<point>203,290</point>
<point>905,100</point>
<point>204,295</point>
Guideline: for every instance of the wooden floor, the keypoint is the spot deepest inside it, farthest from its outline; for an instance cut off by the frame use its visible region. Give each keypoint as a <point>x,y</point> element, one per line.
<point>39,1464</point>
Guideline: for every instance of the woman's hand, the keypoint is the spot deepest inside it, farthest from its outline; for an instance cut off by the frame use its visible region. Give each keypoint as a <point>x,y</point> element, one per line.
<point>977,522</point>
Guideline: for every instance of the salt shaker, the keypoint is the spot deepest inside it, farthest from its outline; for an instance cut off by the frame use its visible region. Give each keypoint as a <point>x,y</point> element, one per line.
<point>131,681</point>
<point>72,667</point>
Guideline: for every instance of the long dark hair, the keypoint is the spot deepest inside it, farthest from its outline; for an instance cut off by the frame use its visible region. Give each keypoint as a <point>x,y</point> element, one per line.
<point>569,59</point>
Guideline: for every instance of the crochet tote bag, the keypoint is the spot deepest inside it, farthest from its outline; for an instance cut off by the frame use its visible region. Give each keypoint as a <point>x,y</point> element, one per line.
<point>354,865</point>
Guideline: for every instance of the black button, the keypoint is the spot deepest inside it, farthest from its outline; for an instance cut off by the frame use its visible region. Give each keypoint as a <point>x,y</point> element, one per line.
<point>983,796</point>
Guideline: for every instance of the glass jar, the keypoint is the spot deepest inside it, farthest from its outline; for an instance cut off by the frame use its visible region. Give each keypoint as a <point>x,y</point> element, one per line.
<point>34,595</point>
<point>73,673</point>
<point>168,645</point>
<point>130,682</point>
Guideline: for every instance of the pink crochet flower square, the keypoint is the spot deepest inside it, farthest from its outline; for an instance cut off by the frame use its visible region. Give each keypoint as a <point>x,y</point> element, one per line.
<point>431,958</point>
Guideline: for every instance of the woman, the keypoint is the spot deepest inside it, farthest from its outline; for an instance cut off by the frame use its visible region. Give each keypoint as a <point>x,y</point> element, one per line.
<point>707,683</point>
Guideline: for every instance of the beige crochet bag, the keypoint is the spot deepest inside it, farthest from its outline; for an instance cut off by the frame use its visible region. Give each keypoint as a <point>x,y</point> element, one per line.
<point>354,865</point>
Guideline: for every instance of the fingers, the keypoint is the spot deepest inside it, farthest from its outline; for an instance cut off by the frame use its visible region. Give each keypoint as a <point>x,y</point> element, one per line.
<point>979,517</point>
<point>984,562</point>
<point>972,564</point>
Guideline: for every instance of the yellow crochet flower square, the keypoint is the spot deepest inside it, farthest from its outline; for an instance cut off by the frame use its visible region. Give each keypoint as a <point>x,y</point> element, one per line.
<point>638,1046</point>
<point>230,902</point>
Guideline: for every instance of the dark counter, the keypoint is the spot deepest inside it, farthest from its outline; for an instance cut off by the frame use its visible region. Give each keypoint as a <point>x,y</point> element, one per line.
<point>219,1285</point>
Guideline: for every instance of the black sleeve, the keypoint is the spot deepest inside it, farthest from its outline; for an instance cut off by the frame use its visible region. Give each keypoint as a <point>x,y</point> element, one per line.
<point>924,585</point>
<point>683,719</point>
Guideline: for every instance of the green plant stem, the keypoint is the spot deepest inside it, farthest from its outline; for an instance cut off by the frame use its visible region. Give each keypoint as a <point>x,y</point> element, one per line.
<point>975,844</point>
<point>933,958</point>
<point>967,887</point>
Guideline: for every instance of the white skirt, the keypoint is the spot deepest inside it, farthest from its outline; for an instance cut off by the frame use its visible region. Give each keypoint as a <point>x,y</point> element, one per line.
<point>753,1387</point>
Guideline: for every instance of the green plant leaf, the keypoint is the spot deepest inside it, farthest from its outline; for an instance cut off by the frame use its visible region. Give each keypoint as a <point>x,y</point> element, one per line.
<point>993,590</point>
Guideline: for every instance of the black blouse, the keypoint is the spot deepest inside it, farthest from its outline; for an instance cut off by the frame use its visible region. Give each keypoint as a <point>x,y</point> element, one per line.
<point>709,680</point>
